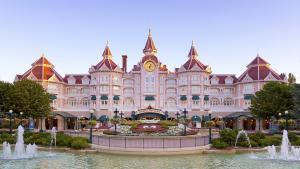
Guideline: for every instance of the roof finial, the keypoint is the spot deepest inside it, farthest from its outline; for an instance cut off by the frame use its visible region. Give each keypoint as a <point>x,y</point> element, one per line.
<point>106,42</point>
<point>43,55</point>
<point>149,34</point>
<point>193,44</point>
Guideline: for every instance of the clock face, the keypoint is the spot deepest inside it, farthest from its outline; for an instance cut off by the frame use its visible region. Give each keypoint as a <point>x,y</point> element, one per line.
<point>149,66</point>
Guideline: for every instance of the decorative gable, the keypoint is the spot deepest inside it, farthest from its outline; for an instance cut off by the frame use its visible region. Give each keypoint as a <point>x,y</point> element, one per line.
<point>214,80</point>
<point>228,80</point>
<point>85,80</point>
<point>247,78</point>
<point>270,77</point>
<point>31,76</point>
<point>71,80</point>
<point>53,78</point>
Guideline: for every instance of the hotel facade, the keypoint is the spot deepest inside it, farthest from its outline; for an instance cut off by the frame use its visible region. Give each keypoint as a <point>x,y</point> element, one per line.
<point>108,86</point>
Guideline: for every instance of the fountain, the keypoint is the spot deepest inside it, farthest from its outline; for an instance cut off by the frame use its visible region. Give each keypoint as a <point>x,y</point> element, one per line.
<point>20,151</point>
<point>287,152</point>
<point>245,134</point>
<point>53,137</point>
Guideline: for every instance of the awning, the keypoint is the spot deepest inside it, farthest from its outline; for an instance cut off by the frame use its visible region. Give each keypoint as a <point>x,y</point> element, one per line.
<point>93,97</point>
<point>64,114</point>
<point>195,97</point>
<point>183,97</point>
<point>104,97</point>
<point>236,115</point>
<point>206,97</point>
<point>52,97</point>
<point>116,97</point>
<point>205,118</point>
<point>196,118</point>
<point>149,98</point>
<point>103,118</point>
<point>248,96</point>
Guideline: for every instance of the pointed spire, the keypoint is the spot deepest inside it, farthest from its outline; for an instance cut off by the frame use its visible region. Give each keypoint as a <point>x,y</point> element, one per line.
<point>150,46</point>
<point>107,53</point>
<point>193,52</point>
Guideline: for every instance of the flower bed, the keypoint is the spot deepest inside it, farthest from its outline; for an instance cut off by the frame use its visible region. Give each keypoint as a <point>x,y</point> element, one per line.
<point>148,128</point>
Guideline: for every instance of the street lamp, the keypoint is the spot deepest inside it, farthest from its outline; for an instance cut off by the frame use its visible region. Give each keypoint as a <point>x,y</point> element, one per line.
<point>115,117</point>
<point>21,113</point>
<point>184,116</point>
<point>91,127</point>
<point>177,116</point>
<point>166,115</point>
<point>209,115</point>
<point>121,114</point>
<point>286,119</point>
<point>10,115</point>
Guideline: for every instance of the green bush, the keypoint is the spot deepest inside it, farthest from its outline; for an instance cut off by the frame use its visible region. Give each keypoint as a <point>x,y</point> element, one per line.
<point>219,143</point>
<point>257,135</point>
<point>292,137</point>
<point>63,140</point>
<point>109,132</point>
<point>270,140</point>
<point>228,136</point>
<point>296,143</point>
<point>8,138</point>
<point>79,143</point>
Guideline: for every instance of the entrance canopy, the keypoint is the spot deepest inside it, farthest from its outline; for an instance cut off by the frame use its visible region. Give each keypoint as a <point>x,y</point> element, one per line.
<point>237,115</point>
<point>64,114</point>
<point>149,113</point>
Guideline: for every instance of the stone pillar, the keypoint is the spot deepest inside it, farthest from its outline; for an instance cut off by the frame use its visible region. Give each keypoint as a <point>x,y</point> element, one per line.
<point>240,124</point>
<point>60,123</point>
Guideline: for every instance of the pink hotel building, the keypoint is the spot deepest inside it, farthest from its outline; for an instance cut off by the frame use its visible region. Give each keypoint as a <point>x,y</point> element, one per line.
<point>108,86</point>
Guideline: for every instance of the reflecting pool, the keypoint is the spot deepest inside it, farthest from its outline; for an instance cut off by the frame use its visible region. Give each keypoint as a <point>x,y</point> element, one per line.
<point>60,160</point>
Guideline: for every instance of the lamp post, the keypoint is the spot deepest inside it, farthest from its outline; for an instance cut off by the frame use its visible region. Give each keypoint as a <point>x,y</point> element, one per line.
<point>41,130</point>
<point>184,116</point>
<point>115,117</point>
<point>279,115</point>
<point>177,116</point>
<point>10,115</point>
<point>209,115</point>
<point>121,114</point>
<point>286,120</point>
<point>21,113</point>
<point>166,115</point>
<point>91,127</point>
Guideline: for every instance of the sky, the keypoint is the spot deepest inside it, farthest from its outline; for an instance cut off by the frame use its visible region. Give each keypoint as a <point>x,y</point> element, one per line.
<point>228,34</point>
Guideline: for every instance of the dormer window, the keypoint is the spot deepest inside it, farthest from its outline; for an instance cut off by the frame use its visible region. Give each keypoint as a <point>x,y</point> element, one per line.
<point>228,80</point>
<point>85,80</point>
<point>214,80</point>
<point>71,80</point>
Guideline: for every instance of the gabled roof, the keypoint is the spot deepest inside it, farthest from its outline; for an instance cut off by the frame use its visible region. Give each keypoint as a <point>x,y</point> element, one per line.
<point>77,77</point>
<point>193,60</point>
<point>259,69</point>
<point>150,46</point>
<point>222,78</point>
<point>107,60</point>
<point>258,61</point>
<point>42,69</point>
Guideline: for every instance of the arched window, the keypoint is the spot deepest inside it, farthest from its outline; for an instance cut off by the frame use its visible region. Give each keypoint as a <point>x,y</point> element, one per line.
<point>214,101</point>
<point>228,102</point>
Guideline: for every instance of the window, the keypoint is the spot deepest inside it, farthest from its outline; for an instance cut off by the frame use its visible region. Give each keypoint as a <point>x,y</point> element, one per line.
<point>195,102</point>
<point>72,102</point>
<point>116,102</point>
<point>247,102</point>
<point>85,103</point>
<point>195,89</point>
<point>228,102</point>
<point>214,102</point>
<point>104,102</point>
<point>248,88</point>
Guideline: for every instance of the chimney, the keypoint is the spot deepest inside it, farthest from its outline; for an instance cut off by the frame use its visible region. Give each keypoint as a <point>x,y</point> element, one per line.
<point>124,63</point>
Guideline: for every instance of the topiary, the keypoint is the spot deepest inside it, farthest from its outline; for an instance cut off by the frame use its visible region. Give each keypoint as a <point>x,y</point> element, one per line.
<point>228,136</point>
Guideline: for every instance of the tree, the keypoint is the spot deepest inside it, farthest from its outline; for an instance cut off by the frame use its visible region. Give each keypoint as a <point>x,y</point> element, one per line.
<point>5,90</point>
<point>297,100</point>
<point>291,78</point>
<point>274,98</point>
<point>30,98</point>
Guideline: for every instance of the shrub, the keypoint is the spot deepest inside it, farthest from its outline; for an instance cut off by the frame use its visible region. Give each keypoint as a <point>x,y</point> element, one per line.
<point>63,140</point>
<point>219,143</point>
<point>8,138</point>
<point>109,132</point>
<point>292,137</point>
<point>167,123</point>
<point>228,136</point>
<point>270,140</point>
<point>79,143</point>
<point>296,143</point>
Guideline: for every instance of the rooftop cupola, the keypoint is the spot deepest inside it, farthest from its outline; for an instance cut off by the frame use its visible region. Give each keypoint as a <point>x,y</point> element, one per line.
<point>150,46</point>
